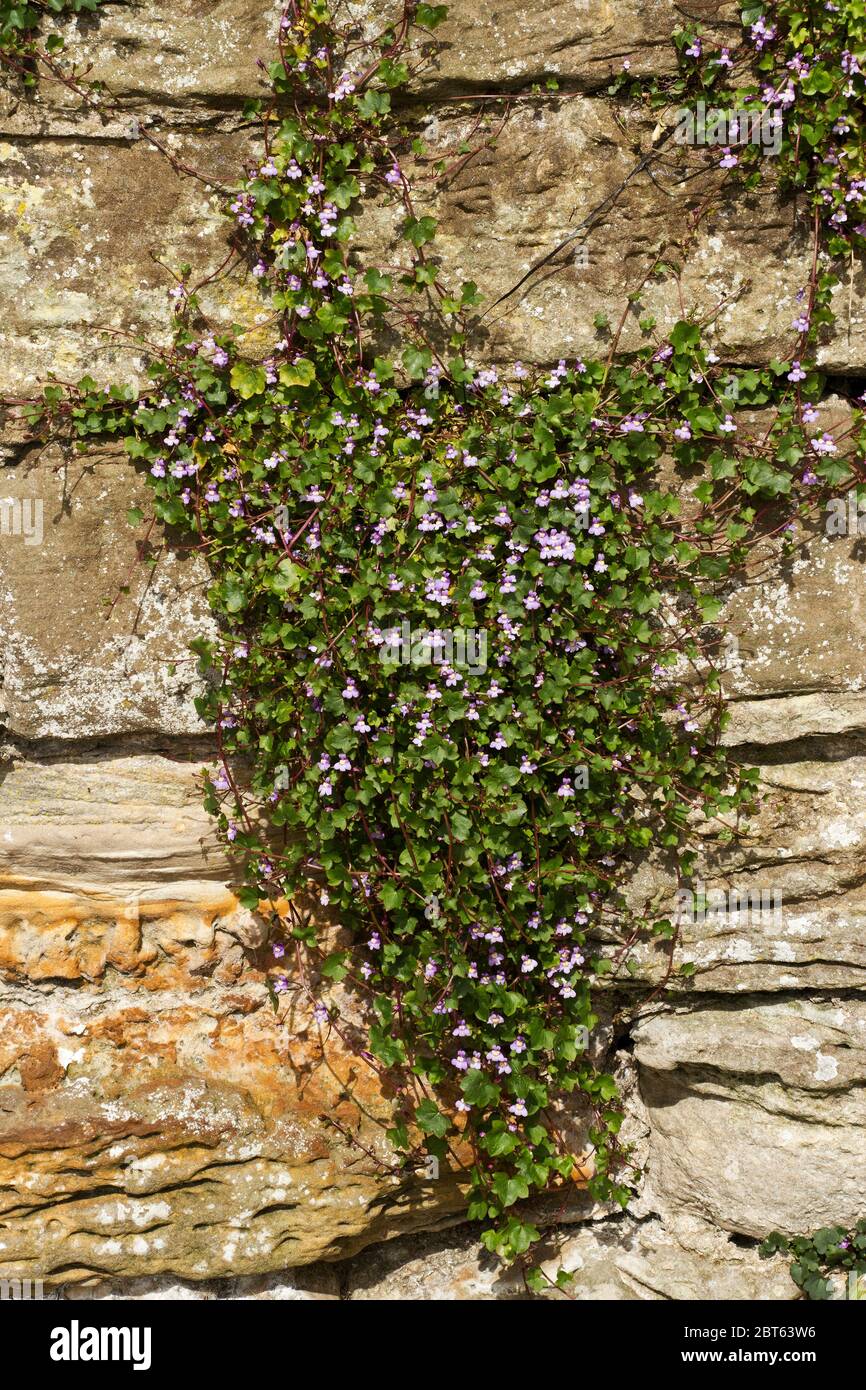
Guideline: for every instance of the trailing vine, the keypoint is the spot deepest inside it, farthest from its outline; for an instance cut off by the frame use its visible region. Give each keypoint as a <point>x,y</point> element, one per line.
<point>464,675</point>
<point>21,47</point>
<point>816,1258</point>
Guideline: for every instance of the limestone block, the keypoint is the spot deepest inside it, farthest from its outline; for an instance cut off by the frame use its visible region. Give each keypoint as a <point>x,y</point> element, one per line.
<point>93,234</point>
<point>553,168</point>
<point>795,908</point>
<point>194,55</point>
<point>81,231</point>
<point>81,658</point>
<point>756,1113</point>
<point>114,821</point>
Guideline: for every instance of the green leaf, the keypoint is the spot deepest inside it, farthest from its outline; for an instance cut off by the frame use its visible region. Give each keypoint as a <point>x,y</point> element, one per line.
<point>417,361</point>
<point>477,1090</point>
<point>499,1144</point>
<point>333,966</point>
<point>685,336</point>
<point>430,16</point>
<point>430,1119</point>
<point>419,230</point>
<point>287,578</point>
<point>247,379</point>
<point>234,595</point>
<point>301,372</point>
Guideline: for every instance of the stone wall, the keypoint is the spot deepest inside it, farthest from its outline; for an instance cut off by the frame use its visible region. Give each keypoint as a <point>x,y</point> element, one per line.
<point>162,1131</point>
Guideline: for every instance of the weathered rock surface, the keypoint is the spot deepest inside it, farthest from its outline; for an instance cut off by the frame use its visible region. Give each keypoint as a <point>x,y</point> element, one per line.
<point>122,820</point>
<point>793,648</point>
<point>756,1113</point>
<point>796,909</point>
<point>97,262</point>
<point>92,240</point>
<point>157,1116</point>
<point>193,55</point>
<point>82,658</point>
<point>622,1259</point>
<point>313,1284</point>
<point>554,169</point>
